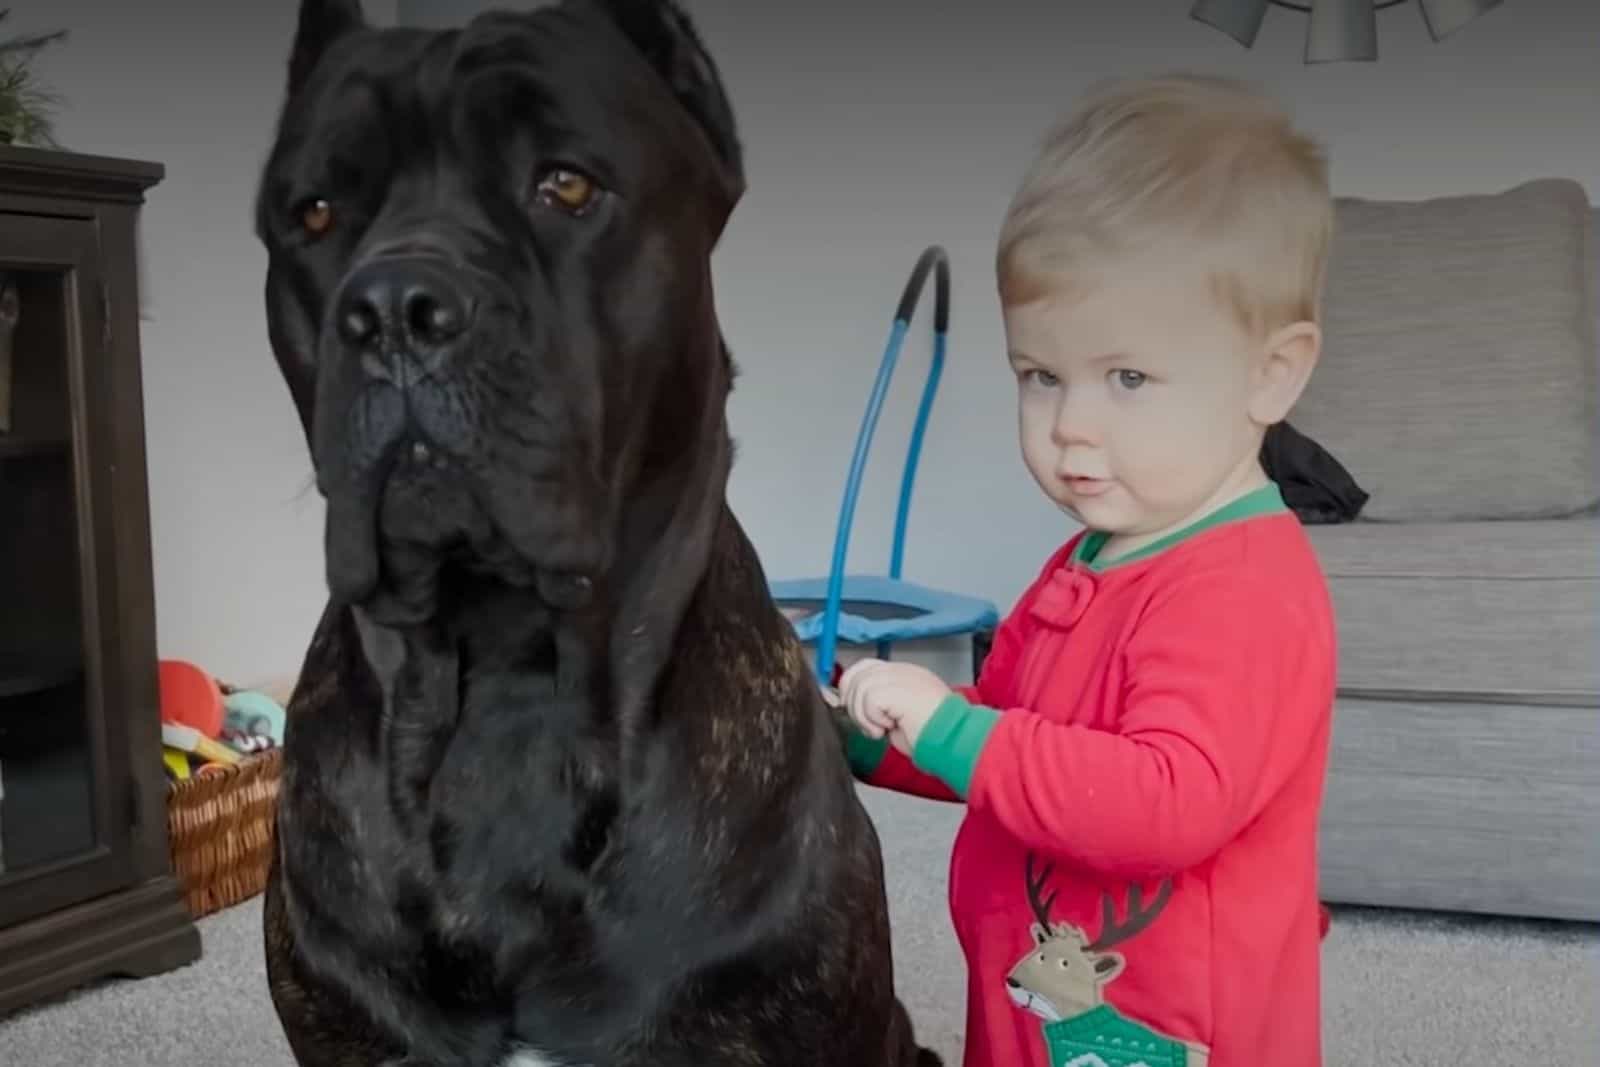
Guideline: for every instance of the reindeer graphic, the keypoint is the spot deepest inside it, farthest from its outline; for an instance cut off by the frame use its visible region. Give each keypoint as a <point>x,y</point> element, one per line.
<point>1063,977</point>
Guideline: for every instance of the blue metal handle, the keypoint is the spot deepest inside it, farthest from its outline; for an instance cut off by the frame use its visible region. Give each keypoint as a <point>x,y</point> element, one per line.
<point>933,258</point>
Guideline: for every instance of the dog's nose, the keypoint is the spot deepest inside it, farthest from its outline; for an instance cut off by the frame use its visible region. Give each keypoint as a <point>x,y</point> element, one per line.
<point>403,307</point>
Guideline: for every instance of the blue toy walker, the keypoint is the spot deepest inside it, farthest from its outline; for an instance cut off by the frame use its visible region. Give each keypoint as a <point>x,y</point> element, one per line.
<point>878,609</point>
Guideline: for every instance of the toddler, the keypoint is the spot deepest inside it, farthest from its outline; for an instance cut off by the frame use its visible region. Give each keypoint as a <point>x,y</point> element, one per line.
<point>1142,755</point>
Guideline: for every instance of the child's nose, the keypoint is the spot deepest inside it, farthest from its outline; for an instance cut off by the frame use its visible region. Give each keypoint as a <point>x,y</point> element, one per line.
<point>1076,422</point>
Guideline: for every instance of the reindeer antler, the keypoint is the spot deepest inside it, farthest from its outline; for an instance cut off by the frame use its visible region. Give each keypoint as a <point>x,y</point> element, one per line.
<point>1040,905</point>
<point>1139,916</point>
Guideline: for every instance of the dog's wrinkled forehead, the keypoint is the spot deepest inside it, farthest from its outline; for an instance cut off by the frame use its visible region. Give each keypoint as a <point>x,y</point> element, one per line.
<point>565,84</point>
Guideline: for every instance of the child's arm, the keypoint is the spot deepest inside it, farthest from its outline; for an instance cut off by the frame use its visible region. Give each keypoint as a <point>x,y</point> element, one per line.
<point>1218,711</point>
<point>879,764</point>
<point>876,763</point>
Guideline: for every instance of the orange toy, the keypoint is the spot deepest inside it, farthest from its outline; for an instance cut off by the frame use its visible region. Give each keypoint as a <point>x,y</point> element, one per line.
<point>190,697</point>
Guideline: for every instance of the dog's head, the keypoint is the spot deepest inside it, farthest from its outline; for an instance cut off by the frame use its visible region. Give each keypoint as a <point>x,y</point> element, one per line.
<point>489,292</point>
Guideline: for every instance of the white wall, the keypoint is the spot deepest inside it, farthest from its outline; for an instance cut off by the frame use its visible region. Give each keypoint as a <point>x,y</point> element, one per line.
<point>870,135</point>
<point>236,529</point>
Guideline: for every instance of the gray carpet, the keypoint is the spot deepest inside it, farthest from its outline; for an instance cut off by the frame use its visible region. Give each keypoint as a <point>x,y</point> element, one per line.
<point>1401,990</point>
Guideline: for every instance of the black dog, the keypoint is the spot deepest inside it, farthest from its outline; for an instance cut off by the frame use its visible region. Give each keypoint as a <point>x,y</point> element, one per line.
<point>559,788</point>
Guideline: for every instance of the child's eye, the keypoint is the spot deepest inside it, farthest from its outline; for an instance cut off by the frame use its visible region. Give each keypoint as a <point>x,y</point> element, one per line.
<point>1039,377</point>
<point>1130,379</point>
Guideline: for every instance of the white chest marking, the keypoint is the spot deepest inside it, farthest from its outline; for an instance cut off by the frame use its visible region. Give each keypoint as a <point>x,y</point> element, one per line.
<point>529,1058</point>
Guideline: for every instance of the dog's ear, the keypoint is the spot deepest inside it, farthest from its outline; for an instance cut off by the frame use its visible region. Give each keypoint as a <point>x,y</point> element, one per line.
<point>321,23</point>
<point>663,32</point>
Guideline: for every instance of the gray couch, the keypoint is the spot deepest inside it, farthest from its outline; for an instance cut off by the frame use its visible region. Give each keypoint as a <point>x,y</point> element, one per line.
<point>1458,386</point>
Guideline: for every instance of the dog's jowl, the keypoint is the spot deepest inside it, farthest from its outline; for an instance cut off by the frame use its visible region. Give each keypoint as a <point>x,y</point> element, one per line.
<point>559,788</point>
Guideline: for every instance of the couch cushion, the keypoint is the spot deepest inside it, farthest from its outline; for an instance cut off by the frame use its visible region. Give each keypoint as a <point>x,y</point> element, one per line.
<point>1463,807</point>
<point>1478,610</point>
<point>1458,378</point>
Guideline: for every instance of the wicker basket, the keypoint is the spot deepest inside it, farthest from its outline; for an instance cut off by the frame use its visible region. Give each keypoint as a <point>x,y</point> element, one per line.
<point>221,829</point>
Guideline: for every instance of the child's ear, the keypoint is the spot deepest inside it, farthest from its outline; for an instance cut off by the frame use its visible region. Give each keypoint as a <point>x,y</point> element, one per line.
<point>1287,359</point>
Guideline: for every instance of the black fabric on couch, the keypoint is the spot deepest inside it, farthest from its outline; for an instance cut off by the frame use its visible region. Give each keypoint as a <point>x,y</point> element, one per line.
<point>1315,485</point>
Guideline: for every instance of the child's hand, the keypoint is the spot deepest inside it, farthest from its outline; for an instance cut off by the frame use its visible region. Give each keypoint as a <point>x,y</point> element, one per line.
<point>893,699</point>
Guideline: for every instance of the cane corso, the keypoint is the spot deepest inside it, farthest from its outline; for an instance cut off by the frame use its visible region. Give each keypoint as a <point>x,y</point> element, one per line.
<point>559,788</point>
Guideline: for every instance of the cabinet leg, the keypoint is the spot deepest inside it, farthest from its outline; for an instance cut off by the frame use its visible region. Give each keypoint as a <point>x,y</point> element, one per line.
<point>138,933</point>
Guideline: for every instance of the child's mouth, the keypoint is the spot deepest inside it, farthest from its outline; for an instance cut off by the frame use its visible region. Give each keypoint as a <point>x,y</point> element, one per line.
<point>1082,486</point>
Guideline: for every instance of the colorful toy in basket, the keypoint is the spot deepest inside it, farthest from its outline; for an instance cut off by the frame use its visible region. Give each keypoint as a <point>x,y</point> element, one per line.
<point>253,716</point>
<point>206,725</point>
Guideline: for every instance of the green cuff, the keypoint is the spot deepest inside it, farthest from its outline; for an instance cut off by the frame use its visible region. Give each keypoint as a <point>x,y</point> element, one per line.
<point>949,746</point>
<point>864,753</point>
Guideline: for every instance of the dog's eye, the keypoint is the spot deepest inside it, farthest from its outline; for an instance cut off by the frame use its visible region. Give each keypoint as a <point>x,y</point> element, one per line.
<point>316,216</point>
<point>568,189</point>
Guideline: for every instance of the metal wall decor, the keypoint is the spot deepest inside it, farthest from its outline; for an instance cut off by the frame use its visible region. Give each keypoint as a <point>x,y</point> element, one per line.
<point>1338,31</point>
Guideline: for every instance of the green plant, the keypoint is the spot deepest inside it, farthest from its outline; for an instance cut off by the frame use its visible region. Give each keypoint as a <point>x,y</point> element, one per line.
<point>25,104</point>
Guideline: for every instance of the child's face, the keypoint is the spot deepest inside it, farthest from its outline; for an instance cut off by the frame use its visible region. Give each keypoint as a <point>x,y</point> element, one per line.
<point>1142,400</point>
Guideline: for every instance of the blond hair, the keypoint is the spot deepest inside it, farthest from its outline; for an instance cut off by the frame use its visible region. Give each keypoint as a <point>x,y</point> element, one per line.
<point>1179,165</point>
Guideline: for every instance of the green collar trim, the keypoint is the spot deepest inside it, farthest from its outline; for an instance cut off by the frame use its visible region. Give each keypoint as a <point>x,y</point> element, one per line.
<point>1268,500</point>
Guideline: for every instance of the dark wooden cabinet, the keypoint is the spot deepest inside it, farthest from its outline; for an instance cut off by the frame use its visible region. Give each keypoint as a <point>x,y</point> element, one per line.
<point>86,889</point>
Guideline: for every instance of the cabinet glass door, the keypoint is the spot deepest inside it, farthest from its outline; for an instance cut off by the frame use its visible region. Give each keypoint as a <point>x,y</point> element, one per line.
<point>63,835</point>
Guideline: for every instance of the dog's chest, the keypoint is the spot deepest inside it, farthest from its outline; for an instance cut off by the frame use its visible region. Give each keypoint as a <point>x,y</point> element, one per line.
<point>462,858</point>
